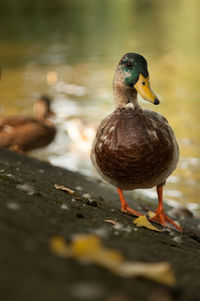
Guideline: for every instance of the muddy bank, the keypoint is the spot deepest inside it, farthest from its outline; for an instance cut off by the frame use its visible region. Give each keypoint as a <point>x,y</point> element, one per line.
<point>32,211</point>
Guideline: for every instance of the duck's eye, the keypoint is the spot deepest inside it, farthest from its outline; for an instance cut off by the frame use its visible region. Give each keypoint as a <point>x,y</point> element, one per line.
<point>128,65</point>
<point>143,83</point>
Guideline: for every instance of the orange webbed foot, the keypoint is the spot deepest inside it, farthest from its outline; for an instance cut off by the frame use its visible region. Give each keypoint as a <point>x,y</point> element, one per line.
<point>164,220</point>
<point>160,217</point>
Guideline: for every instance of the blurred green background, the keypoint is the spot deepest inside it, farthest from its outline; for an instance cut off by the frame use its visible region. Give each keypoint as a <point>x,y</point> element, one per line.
<point>69,50</point>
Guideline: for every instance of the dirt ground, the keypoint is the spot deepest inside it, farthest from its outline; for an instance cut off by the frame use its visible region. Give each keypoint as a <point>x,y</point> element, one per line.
<point>32,211</point>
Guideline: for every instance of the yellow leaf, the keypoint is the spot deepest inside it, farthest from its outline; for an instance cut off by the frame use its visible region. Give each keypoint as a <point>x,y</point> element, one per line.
<point>142,221</point>
<point>89,248</point>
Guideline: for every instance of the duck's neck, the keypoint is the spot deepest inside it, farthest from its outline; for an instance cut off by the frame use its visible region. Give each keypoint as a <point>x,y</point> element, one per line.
<point>41,111</point>
<point>124,96</point>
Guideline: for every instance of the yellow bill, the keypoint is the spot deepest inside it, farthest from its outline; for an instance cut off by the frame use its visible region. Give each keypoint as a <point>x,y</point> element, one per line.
<point>144,89</point>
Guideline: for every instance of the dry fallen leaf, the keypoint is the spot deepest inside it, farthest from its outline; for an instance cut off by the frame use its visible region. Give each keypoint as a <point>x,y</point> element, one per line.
<point>160,272</point>
<point>63,188</point>
<point>142,221</point>
<point>89,248</point>
<point>111,221</point>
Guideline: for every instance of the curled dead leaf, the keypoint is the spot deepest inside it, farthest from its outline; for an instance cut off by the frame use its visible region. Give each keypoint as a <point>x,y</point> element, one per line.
<point>63,188</point>
<point>111,221</point>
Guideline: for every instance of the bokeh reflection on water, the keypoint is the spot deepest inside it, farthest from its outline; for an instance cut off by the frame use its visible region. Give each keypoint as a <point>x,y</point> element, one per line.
<point>69,49</point>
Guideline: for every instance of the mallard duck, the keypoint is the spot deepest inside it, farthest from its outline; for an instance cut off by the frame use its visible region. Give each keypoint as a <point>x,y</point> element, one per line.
<point>135,148</point>
<point>22,134</point>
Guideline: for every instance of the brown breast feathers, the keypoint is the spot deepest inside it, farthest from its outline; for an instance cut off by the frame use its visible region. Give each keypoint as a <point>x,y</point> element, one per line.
<point>135,149</point>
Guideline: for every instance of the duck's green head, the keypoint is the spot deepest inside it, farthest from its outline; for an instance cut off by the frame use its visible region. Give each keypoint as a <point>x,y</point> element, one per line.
<point>132,72</point>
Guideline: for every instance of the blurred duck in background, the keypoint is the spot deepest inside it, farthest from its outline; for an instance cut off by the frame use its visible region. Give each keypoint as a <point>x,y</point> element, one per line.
<point>22,133</point>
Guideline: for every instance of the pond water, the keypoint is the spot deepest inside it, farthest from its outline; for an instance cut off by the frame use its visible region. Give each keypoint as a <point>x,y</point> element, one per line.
<point>69,50</point>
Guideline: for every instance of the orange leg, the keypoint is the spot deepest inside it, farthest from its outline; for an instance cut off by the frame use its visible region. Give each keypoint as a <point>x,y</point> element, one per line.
<point>160,216</point>
<point>124,204</point>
